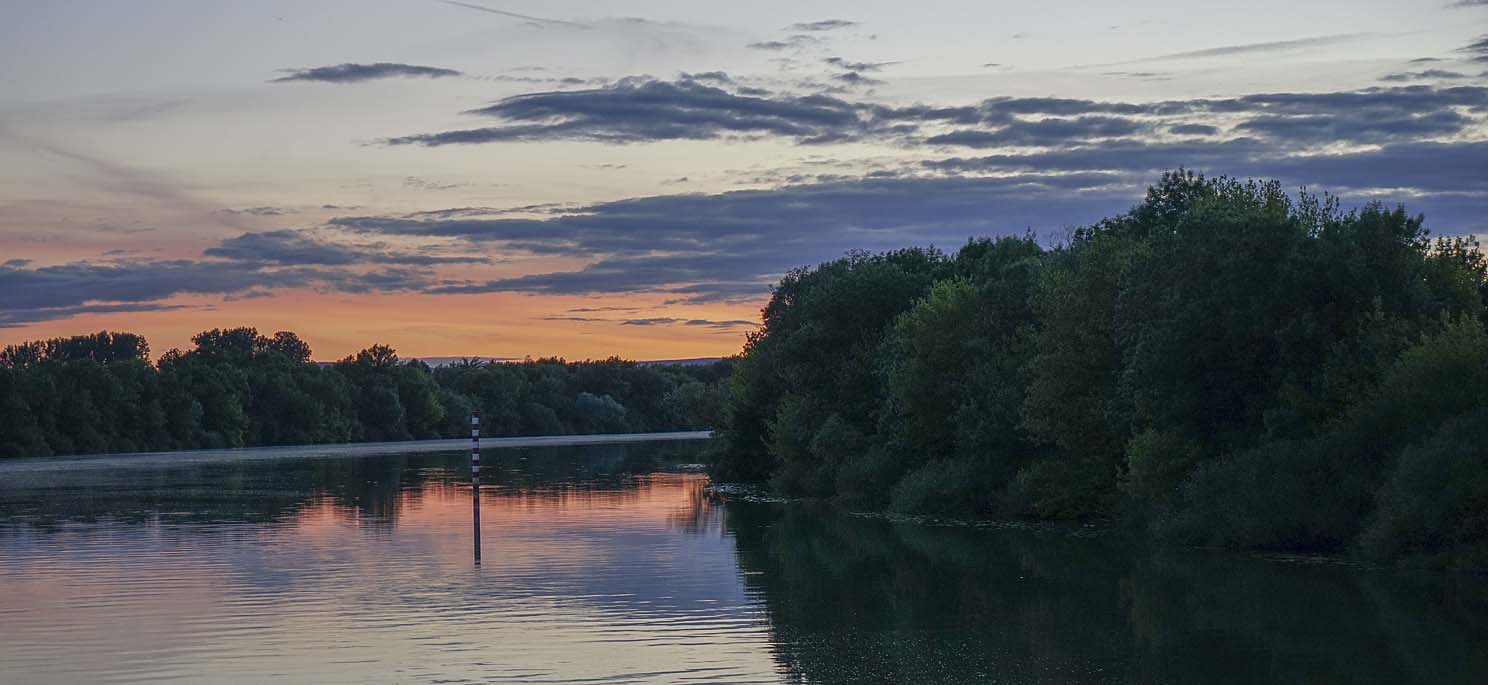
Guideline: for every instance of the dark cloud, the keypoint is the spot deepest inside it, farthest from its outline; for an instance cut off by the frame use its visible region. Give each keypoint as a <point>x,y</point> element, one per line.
<point>853,78</point>
<point>1043,132</point>
<point>417,183</point>
<point>46,293</point>
<point>1427,75</point>
<point>297,248</point>
<point>653,321</point>
<point>669,321</point>
<point>1194,130</point>
<point>1361,126</point>
<point>719,77</point>
<point>639,110</point>
<point>1423,167</point>
<point>10,319</point>
<point>1143,75</point>
<point>731,323</point>
<point>452,212</point>
<point>249,265</point>
<point>769,45</point>
<point>1398,99</point>
<point>1468,3</point>
<point>259,211</point>
<point>552,80</point>
<point>823,25</point>
<point>998,108</point>
<point>356,73</point>
<point>733,246</point>
<point>701,276</point>
<point>849,65</point>
<point>794,42</point>
<point>1477,50</point>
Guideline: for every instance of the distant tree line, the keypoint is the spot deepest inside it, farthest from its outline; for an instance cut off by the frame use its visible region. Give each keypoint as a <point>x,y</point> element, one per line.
<point>235,388</point>
<point>1222,364</point>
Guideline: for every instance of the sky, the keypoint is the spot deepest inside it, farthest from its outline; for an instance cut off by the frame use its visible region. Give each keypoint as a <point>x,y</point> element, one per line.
<point>587,179</point>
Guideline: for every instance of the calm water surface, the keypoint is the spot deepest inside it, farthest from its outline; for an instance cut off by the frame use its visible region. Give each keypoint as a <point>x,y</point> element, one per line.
<point>601,566</point>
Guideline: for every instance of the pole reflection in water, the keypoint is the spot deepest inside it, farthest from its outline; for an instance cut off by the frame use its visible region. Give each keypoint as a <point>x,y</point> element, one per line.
<point>475,476</point>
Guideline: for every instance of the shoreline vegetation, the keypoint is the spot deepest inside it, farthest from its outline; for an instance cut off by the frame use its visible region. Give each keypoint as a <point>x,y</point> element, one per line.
<point>101,394</point>
<point>353,450</point>
<point>1223,366</point>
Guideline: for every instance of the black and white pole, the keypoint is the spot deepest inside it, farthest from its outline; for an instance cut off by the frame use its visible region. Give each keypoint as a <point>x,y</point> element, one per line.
<point>475,478</point>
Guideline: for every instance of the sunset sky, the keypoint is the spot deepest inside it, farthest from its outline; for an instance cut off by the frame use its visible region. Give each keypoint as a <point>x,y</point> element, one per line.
<point>590,179</point>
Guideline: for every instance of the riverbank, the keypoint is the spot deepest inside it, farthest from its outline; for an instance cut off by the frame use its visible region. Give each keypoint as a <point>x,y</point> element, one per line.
<point>1096,528</point>
<point>364,449</point>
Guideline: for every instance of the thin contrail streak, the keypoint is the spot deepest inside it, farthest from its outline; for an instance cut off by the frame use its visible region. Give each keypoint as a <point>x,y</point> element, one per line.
<point>1245,49</point>
<point>513,15</point>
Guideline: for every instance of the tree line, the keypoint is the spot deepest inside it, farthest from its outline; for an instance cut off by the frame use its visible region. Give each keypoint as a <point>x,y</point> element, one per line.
<point>1222,364</point>
<point>236,388</point>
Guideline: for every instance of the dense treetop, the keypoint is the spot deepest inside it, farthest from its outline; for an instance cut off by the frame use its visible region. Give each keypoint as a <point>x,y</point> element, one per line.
<point>1223,363</point>
<point>101,393</point>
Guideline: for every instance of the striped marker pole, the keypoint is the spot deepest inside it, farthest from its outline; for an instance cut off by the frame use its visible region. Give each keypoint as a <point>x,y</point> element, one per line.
<point>475,478</point>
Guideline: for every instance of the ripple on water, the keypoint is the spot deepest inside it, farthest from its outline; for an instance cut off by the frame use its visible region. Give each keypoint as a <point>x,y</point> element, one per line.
<point>310,571</point>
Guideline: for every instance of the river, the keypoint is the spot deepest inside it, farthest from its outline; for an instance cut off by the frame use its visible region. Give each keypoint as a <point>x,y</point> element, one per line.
<point>603,564</point>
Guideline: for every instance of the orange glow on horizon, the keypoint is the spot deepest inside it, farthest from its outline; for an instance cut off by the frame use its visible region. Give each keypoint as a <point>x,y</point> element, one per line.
<point>507,325</point>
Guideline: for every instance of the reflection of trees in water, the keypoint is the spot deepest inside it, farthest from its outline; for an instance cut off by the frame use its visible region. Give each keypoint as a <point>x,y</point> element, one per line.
<point>854,599</point>
<point>700,514</point>
<point>373,490</point>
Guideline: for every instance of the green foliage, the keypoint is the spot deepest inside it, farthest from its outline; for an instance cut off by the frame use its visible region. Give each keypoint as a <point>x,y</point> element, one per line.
<point>1228,363</point>
<point>1435,504</point>
<point>948,487</point>
<point>102,347</point>
<point>599,413</point>
<point>1157,461</point>
<point>696,403</point>
<point>99,393</point>
<point>821,346</point>
<point>1318,493</point>
<point>867,478</point>
<point>1442,376</point>
<point>1280,495</point>
<point>933,347</point>
<point>1072,402</point>
<point>1066,486</point>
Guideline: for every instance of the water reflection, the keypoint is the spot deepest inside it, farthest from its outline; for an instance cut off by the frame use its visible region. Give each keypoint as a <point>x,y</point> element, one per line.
<point>599,567</point>
<point>853,599</point>
<point>371,489</point>
<point>360,570</point>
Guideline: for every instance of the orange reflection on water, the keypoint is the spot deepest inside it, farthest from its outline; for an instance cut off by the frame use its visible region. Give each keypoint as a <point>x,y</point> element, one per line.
<point>595,581</point>
<point>517,522</point>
